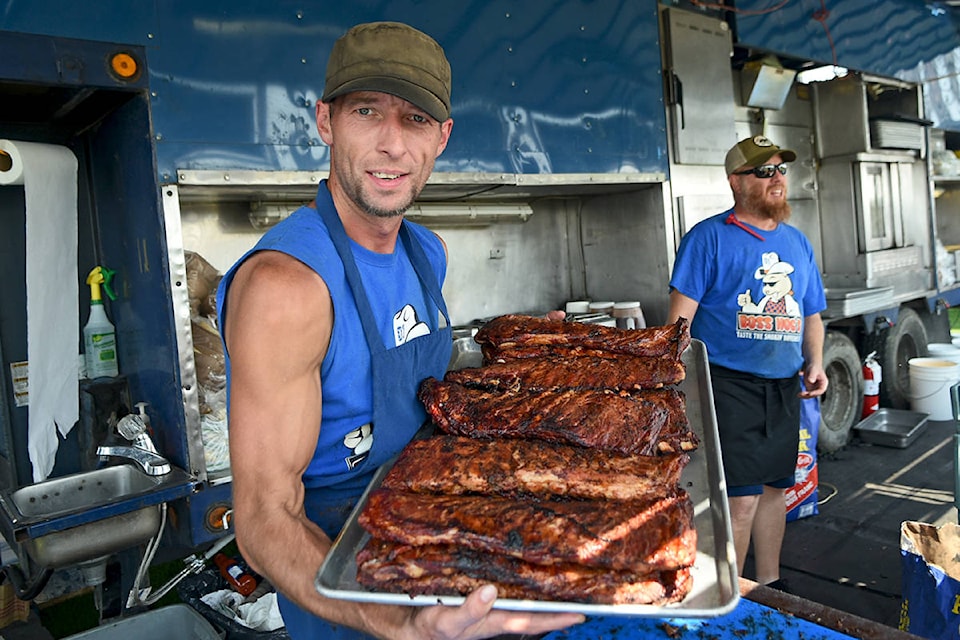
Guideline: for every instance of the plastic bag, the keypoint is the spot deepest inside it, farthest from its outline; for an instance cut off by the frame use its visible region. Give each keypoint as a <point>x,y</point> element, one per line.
<point>930,591</point>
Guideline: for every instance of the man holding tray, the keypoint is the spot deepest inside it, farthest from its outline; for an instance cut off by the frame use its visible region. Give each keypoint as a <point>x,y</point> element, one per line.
<point>330,324</point>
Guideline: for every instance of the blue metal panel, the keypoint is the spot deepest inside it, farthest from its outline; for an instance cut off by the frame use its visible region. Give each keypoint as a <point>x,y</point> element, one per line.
<point>885,37</point>
<point>559,86</point>
<point>565,87</point>
<point>906,39</point>
<point>104,20</point>
<point>193,512</point>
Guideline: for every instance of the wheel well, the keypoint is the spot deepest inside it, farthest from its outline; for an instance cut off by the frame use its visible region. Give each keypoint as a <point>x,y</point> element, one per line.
<point>841,404</point>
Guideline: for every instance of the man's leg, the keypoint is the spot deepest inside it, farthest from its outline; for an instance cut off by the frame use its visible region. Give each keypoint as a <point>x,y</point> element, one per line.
<point>742,512</point>
<point>768,528</point>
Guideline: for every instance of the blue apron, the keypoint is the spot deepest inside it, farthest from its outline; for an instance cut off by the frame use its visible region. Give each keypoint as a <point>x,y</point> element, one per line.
<point>397,414</point>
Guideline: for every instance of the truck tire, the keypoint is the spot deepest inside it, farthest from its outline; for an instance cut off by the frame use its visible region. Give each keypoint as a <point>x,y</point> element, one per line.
<point>842,403</point>
<point>906,339</point>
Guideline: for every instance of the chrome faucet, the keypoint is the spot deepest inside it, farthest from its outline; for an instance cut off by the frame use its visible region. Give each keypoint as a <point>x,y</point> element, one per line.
<point>142,451</point>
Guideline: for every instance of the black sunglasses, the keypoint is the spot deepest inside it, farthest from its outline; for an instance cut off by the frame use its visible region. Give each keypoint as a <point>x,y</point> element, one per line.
<point>764,171</point>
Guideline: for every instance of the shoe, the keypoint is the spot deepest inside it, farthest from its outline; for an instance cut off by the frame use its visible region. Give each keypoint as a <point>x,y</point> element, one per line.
<point>780,585</point>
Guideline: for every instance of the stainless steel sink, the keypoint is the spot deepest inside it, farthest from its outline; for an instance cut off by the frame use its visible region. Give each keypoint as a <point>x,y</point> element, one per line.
<point>71,519</point>
<point>80,490</point>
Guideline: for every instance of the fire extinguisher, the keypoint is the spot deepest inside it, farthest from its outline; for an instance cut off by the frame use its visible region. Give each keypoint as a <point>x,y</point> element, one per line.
<point>871,385</point>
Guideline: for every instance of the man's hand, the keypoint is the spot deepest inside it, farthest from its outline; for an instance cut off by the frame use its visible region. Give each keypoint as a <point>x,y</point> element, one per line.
<point>814,382</point>
<point>476,618</point>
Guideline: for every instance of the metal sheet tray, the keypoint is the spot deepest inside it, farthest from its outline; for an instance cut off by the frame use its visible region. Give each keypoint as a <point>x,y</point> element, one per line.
<point>892,427</point>
<point>715,587</point>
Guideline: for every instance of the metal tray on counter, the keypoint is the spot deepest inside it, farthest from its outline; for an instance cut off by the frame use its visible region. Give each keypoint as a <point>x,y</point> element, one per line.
<point>715,586</point>
<point>896,428</point>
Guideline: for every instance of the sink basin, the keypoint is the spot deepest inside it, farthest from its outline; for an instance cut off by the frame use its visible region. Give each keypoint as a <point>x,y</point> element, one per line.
<point>94,540</point>
<point>80,490</point>
<point>83,516</point>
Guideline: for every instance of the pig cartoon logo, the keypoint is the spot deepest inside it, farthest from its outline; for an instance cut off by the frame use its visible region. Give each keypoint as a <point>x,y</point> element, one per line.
<point>359,441</point>
<point>777,289</point>
<point>407,326</point>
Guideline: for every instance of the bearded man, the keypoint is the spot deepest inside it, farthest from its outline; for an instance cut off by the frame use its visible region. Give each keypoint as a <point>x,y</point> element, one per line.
<point>758,352</point>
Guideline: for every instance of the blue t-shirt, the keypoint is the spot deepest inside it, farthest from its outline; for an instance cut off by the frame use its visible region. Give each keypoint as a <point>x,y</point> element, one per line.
<point>753,294</point>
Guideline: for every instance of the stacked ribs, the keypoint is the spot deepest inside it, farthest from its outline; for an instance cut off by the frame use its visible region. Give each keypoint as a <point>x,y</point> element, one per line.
<point>555,474</point>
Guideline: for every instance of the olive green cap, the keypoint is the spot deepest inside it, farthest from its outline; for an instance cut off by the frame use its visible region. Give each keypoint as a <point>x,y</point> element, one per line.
<point>752,152</point>
<point>394,58</point>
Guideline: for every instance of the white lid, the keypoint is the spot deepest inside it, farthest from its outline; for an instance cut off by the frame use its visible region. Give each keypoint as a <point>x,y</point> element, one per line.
<point>629,304</point>
<point>600,305</point>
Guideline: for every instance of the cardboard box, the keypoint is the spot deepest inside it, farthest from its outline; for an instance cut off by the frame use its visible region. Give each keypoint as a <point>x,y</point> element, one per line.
<point>12,608</point>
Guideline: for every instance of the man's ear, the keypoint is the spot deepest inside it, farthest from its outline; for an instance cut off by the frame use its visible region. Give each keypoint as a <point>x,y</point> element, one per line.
<point>323,121</point>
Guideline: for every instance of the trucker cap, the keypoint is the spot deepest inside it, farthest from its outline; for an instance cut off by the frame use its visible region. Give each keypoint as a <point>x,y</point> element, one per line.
<point>393,58</point>
<point>754,151</point>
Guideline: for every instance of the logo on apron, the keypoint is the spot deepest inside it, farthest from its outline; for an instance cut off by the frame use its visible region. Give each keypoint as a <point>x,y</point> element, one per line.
<point>359,442</point>
<point>407,326</point>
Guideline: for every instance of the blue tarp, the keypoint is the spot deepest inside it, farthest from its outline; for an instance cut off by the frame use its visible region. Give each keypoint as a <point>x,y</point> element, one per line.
<point>748,621</point>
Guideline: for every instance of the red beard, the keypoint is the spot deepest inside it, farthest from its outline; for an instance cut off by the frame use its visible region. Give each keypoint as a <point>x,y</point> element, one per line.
<point>754,202</point>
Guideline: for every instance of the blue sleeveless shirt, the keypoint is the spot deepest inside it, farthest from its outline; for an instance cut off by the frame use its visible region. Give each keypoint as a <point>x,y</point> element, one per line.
<point>402,309</point>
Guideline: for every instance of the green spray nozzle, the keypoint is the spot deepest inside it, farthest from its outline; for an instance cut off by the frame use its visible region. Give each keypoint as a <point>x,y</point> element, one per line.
<point>100,277</point>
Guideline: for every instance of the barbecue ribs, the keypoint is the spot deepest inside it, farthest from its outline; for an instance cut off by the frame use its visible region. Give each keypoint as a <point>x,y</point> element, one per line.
<point>456,465</point>
<point>641,536</point>
<point>589,418</point>
<point>513,336</point>
<point>621,372</point>
<point>446,570</point>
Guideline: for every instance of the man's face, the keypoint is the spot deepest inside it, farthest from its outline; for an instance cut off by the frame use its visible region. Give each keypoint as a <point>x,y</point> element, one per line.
<point>382,149</point>
<point>766,197</point>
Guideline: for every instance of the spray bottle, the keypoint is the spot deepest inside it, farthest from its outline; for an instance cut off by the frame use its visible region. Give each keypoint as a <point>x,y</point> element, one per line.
<point>99,336</point>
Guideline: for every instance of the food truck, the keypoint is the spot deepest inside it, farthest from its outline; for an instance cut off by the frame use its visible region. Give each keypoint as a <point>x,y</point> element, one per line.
<point>589,136</point>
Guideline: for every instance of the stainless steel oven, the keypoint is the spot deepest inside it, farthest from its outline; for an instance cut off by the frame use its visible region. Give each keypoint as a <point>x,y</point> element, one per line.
<point>877,193</point>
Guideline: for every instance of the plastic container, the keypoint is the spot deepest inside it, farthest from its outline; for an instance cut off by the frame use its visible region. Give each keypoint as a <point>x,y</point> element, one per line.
<point>174,621</point>
<point>99,336</point>
<point>930,382</point>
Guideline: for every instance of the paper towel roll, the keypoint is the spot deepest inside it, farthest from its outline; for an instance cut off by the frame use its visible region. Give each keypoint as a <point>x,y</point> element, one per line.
<point>48,174</point>
<point>11,165</point>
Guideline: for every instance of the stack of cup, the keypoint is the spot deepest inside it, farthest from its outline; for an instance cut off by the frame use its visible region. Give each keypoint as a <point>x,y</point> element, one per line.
<point>577,306</point>
<point>601,307</point>
<point>629,315</point>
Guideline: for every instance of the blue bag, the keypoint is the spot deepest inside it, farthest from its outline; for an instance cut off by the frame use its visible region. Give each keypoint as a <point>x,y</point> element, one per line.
<point>930,605</point>
<point>803,496</point>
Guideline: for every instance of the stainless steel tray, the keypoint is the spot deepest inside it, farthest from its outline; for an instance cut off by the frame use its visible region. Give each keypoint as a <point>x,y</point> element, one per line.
<point>715,587</point>
<point>892,427</point>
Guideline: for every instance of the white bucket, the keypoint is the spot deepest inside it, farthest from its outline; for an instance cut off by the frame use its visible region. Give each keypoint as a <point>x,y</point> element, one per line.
<point>944,351</point>
<point>930,382</point>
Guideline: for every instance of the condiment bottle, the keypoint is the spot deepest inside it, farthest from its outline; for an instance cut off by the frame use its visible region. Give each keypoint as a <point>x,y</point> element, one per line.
<point>240,578</point>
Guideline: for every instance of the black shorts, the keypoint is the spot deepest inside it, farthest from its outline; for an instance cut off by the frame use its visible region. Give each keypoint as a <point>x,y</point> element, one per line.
<point>759,425</point>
